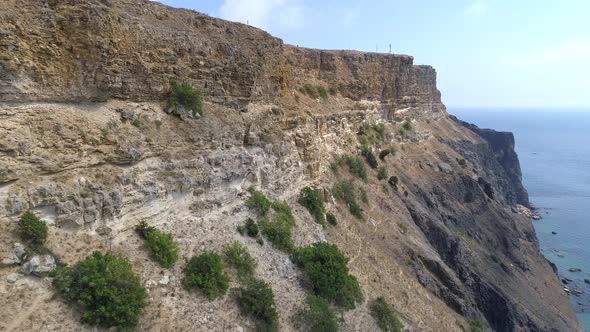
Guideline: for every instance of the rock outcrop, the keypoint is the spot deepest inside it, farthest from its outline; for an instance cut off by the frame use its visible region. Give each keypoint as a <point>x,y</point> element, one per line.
<point>85,142</point>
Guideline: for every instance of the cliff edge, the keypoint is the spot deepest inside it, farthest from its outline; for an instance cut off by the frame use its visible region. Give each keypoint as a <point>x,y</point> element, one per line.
<point>86,143</point>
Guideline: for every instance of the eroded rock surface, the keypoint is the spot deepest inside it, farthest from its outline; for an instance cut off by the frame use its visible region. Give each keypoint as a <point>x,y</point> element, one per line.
<point>85,142</point>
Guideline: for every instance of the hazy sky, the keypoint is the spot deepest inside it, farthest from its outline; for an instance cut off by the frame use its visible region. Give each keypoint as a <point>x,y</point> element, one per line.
<point>488,53</point>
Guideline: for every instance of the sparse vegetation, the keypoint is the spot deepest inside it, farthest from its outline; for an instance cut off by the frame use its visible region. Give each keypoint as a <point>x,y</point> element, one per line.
<point>331,218</point>
<point>251,228</point>
<point>385,152</point>
<point>283,213</point>
<point>382,173</point>
<point>136,122</point>
<point>322,92</point>
<point>343,191</point>
<point>309,90</point>
<point>183,96</point>
<point>317,316</point>
<point>407,125</point>
<point>326,267</point>
<point>105,288</point>
<point>206,272</point>
<point>256,299</point>
<point>476,326</point>
<point>162,246</point>
<point>279,233</point>
<point>237,256</point>
<point>364,196</point>
<point>355,165</point>
<point>384,315</point>
<point>312,200</point>
<point>369,156</point>
<point>403,228</point>
<point>379,128</point>
<point>333,90</point>
<point>369,134</point>
<point>257,201</point>
<point>32,229</point>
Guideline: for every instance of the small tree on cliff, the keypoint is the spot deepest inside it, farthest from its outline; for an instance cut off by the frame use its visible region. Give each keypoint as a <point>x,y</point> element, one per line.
<point>184,97</point>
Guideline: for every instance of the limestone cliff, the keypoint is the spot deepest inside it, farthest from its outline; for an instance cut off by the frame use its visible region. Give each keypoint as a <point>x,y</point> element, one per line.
<point>85,142</point>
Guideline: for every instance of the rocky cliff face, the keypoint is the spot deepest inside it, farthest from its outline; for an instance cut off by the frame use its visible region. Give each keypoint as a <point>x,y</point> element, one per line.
<point>85,143</point>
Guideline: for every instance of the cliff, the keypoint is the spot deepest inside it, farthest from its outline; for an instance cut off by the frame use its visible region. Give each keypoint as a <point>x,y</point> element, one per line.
<point>85,142</point>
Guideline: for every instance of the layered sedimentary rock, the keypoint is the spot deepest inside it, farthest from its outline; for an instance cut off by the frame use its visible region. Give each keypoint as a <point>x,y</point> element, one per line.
<point>85,142</point>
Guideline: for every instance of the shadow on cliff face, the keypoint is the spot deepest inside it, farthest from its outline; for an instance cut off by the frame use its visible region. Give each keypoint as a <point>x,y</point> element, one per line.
<point>498,159</point>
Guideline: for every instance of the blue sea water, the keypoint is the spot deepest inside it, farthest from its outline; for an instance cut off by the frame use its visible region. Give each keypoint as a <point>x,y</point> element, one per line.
<point>554,151</point>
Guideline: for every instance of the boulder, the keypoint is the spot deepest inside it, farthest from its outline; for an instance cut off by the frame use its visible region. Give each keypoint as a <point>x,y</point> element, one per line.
<point>445,168</point>
<point>12,278</point>
<point>19,250</point>
<point>164,281</point>
<point>39,265</point>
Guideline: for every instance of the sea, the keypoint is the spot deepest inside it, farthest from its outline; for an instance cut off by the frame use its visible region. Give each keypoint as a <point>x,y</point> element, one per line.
<point>554,151</point>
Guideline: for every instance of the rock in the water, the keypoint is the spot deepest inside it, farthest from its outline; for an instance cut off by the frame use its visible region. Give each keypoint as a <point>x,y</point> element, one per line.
<point>554,232</point>
<point>39,265</point>
<point>587,281</point>
<point>575,269</point>
<point>532,214</point>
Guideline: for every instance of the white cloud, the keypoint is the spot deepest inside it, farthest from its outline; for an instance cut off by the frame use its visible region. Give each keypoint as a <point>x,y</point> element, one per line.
<point>573,51</point>
<point>478,8</point>
<point>265,14</point>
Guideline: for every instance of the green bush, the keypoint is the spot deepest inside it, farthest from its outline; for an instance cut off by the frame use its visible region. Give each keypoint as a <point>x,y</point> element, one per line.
<point>317,316</point>
<point>382,173</point>
<point>333,90</point>
<point>407,125</point>
<point>385,152</point>
<point>105,288</point>
<point>256,299</point>
<point>356,166</point>
<point>312,200</point>
<point>331,218</point>
<point>364,196</point>
<point>237,256</point>
<point>251,228</point>
<point>283,213</point>
<point>322,92</point>
<point>161,246</point>
<point>393,181</point>
<point>385,316</point>
<point>257,201</point>
<point>206,273</point>
<point>279,233</point>
<point>183,94</point>
<point>309,90</point>
<point>369,156</point>
<point>325,265</point>
<point>379,128</point>
<point>476,326</point>
<point>343,191</point>
<point>31,228</point>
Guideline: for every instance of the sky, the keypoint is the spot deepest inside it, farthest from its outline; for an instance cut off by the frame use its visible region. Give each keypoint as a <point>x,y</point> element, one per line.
<point>487,53</point>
